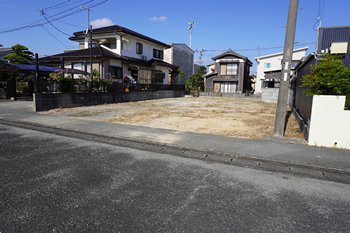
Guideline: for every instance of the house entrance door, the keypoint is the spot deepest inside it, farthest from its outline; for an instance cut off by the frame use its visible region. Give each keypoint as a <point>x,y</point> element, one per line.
<point>216,87</point>
<point>134,74</point>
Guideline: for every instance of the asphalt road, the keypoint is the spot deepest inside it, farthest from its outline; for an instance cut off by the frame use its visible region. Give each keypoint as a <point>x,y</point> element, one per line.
<point>55,183</point>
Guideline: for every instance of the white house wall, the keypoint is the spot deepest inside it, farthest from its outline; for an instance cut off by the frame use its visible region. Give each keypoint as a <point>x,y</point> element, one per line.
<point>146,51</point>
<point>168,55</point>
<point>275,64</point>
<point>166,72</point>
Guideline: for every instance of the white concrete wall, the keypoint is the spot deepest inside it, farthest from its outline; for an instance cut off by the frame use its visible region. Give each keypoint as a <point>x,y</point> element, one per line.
<point>330,123</point>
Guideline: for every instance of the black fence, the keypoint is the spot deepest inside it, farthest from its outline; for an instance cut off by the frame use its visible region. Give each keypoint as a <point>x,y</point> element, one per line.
<point>73,86</point>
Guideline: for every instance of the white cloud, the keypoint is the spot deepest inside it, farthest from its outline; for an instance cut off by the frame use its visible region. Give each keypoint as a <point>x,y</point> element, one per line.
<point>161,18</point>
<point>98,23</point>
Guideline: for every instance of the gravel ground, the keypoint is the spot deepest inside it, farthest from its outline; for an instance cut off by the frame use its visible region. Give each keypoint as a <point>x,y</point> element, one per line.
<point>232,117</point>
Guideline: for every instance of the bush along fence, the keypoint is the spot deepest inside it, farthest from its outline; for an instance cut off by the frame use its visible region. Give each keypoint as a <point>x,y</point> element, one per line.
<point>65,82</point>
<point>62,89</point>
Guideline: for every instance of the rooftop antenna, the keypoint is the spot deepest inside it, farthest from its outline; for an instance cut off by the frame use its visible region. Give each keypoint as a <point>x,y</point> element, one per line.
<point>192,26</point>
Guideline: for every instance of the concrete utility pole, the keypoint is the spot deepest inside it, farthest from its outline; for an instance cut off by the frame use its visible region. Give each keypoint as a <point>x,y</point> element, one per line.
<point>280,120</point>
<point>192,25</point>
<point>89,31</point>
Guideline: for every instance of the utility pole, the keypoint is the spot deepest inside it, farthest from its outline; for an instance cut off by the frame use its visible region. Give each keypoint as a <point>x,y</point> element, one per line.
<point>280,120</point>
<point>192,26</point>
<point>89,31</point>
<point>200,55</point>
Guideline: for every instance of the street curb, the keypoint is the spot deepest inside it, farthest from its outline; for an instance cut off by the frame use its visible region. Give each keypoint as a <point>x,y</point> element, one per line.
<point>288,167</point>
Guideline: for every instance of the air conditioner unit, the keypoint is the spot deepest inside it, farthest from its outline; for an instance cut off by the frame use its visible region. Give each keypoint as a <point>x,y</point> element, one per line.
<point>144,57</point>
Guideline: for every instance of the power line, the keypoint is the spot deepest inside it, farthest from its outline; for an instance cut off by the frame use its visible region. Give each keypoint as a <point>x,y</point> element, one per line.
<point>253,49</point>
<point>43,14</point>
<point>42,22</point>
<point>319,14</point>
<point>23,8</point>
<point>56,6</point>
<point>48,32</point>
<point>65,22</point>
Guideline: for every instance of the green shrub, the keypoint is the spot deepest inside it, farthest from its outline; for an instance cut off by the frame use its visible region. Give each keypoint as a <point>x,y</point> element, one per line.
<point>328,77</point>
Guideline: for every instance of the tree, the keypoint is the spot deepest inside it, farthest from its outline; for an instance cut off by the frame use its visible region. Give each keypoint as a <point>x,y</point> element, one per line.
<point>196,80</point>
<point>20,55</point>
<point>177,74</point>
<point>328,77</point>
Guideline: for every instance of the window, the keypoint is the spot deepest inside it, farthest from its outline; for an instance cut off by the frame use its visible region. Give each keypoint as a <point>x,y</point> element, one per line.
<point>231,69</point>
<point>228,69</point>
<point>139,48</point>
<point>116,72</point>
<point>228,87</point>
<point>145,77</point>
<point>125,44</point>
<point>78,66</point>
<point>158,53</point>
<point>267,65</point>
<point>110,45</point>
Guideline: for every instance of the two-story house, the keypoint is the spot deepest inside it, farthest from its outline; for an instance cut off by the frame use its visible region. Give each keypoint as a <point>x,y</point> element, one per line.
<point>269,68</point>
<point>117,51</point>
<point>228,74</point>
<point>180,55</point>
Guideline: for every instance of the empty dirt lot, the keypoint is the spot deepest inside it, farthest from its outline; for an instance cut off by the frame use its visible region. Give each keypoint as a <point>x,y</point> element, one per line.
<point>232,117</point>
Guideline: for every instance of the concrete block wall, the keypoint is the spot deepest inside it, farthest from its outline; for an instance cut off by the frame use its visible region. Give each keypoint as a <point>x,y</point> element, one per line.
<point>47,101</point>
<point>270,95</point>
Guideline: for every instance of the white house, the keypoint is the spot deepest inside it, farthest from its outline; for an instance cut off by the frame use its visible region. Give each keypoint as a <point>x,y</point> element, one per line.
<point>117,51</point>
<point>272,63</point>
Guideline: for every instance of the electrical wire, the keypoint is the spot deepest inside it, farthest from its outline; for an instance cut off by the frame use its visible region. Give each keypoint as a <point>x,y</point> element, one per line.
<point>48,32</point>
<point>54,25</point>
<point>65,22</point>
<point>60,16</point>
<point>56,6</point>
<point>23,8</point>
<point>319,14</point>
<point>255,49</point>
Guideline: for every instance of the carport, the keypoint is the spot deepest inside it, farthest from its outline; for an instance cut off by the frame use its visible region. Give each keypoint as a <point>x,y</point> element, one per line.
<point>28,68</point>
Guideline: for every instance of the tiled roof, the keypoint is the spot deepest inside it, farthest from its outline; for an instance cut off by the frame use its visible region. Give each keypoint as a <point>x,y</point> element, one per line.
<point>231,52</point>
<point>117,29</point>
<point>100,52</point>
<point>96,52</point>
<point>155,62</point>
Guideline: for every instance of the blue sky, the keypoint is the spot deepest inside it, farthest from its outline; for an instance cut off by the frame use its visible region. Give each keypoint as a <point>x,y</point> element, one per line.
<point>220,25</point>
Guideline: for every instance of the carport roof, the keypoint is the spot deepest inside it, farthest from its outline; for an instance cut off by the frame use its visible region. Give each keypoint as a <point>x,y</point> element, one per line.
<point>27,68</point>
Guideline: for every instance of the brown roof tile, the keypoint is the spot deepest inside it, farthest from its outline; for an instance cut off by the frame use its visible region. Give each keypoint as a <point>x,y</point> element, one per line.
<point>117,29</point>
